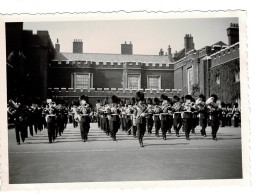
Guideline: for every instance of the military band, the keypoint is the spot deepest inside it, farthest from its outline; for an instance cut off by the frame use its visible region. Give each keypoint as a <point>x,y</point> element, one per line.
<point>135,116</point>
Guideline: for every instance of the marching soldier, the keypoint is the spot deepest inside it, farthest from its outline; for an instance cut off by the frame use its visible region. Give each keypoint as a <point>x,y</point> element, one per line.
<point>98,106</point>
<point>140,116</point>
<point>187,116</point>
<point>223,114</point>
<point>214,110</point>
<point>170,116</point>
<point>157,110</point>
<point>73,111</point>
<point>129,112</point>
<point>194,117</point>
<point>164,115</point>
<point>202,113</point>
<point>51,122</point>
<point>149,116</point>
<point>83,116</point>
<point>229,115</point>
<point>134,127</point>
<point>19,111</point>
<point>236,115</point>
<point>177,120</point>
<point>114,119</point>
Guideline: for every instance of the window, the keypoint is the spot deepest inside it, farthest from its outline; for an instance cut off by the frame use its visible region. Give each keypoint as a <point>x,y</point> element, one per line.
<point>154,82</point>
<point>133,81</point>
<point>83,81</point>
<point>237,75</point>
<point>190,79</point>
<point>108,63</point>
<point>218,79</point>
<point>115,63</point>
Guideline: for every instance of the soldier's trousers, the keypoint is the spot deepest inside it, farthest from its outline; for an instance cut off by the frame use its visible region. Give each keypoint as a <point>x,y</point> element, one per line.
<point>114,126</point>
<point>164,127</point>
<point>177,123</point>
<point>134,130</point>
<point>51,126</point>
<point>203,124</point>
<point>149,124</point>
<point>187,126</point>
<point>84,128</point>
<point>157,125</point>
<point>129,125</point>
<point>228,121</point>
<point>105,125</point>
<point>223,121</point>
<point>236,121</point>
<point>20,130</point>
<point>215,124</point>
<point>98,122</point>
<point>170,123</point>
<point>141,128</point>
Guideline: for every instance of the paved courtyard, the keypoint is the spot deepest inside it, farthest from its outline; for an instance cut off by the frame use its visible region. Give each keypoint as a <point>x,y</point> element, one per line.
<point>100,159</point>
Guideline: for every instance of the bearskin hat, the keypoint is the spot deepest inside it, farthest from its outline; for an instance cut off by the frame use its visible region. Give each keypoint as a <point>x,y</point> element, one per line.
<point>235,105</point>
<point>222,104</point>
<point>202,97</point>
<point>84,97</point>
<point>188,97</point>
<point>132,101</point>
<point>139,96</point>
<point>163,97</point>
<point>128,102</point>
<point>148,101</point>
<point>115,99</point>
<point>176,98</point>
<point>215,97</point>
<point>156,101</point>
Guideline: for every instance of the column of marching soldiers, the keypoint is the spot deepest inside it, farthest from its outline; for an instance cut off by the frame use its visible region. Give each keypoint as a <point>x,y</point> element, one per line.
<point>134,115</point>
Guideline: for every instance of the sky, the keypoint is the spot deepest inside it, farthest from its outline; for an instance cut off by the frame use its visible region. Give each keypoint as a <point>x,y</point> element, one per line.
<point>147,36</point>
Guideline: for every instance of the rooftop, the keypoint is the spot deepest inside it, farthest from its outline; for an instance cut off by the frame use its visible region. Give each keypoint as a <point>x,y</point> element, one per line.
<point>103,57</point>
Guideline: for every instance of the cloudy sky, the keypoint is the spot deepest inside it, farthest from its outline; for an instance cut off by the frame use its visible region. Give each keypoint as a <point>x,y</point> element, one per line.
<point>147,36</point>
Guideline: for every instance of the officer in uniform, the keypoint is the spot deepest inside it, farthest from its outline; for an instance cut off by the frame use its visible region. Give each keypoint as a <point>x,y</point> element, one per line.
<point>149,116</point>
<point>83,116</point>
<point>214,110</point>
<point>157,110</point>
<point>140,116</point>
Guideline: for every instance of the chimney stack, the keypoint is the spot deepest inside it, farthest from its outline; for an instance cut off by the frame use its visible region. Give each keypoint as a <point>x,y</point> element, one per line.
<point>188,43</point>
<point>57,47</point>
<point>161,52</point>
<point>127,48</point>
<point>77,46</point>
<point>233,33</point>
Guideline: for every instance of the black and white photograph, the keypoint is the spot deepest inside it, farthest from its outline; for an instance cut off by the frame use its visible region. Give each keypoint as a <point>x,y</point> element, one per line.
<point>125,100</point>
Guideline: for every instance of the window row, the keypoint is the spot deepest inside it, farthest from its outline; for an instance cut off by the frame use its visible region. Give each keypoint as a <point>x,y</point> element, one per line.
<point>85,81</point>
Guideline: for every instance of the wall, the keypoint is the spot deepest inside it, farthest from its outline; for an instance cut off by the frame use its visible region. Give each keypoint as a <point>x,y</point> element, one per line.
<point>106,76</point>
<point>225,63</point>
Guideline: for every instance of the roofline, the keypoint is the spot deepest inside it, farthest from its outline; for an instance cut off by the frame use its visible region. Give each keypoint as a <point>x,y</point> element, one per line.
<point>116,54</point>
